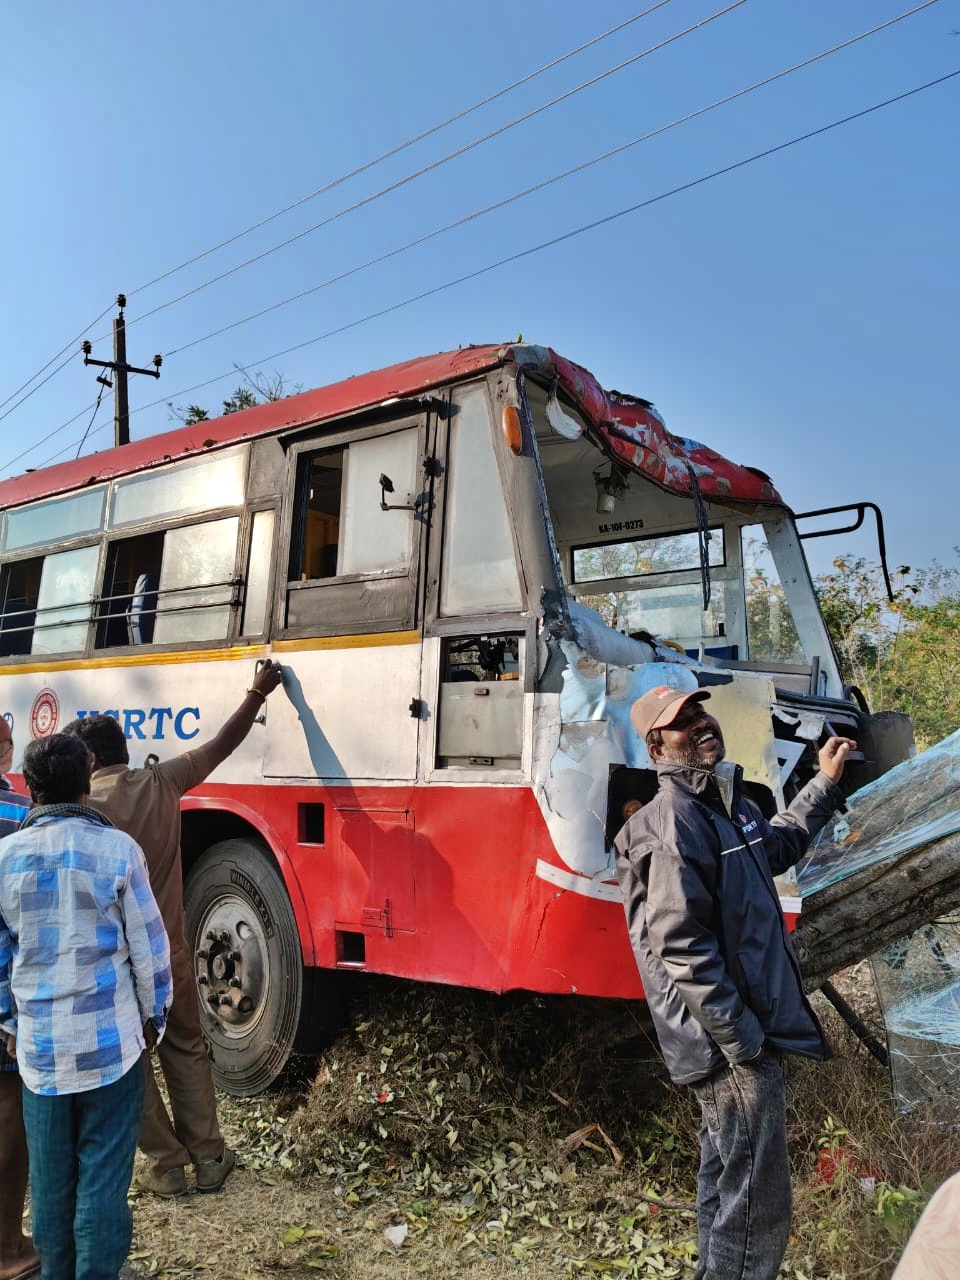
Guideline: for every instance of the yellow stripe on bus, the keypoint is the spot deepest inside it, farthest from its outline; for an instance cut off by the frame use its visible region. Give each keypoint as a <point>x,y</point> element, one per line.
<point>138,659</point>
<point>153,658</point>
<point>368,641</point>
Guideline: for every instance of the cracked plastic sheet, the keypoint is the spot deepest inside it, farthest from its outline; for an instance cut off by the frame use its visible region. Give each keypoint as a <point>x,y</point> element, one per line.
<point>915,804</point>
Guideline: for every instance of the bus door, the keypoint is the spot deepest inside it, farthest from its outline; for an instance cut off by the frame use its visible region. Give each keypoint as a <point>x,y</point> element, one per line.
<point>477,653</point>
<point>348,607</point>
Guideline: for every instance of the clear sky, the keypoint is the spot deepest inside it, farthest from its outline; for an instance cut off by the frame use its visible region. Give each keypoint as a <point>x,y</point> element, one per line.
<point>798,314</point>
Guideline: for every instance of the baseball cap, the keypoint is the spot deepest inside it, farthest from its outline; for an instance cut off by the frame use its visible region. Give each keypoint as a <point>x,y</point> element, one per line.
<point>658,708</point>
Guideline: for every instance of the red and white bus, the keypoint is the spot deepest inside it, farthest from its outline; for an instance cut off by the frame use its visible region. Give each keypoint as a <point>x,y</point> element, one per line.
<point>469,566</point>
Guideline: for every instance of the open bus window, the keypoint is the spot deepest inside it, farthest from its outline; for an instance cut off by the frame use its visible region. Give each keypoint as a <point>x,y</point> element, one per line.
<point>171,586</point>
<point>128,605</point>
<point>318,550</point>
<point>352,559</point>
<point>481,703</point>
<point>344,528</point>
<point>19,589</point>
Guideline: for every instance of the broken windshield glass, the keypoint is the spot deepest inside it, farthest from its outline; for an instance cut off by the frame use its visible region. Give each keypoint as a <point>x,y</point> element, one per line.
<point>913,805</point>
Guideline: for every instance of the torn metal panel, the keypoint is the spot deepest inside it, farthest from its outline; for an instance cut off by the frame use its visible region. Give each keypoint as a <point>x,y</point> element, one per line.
<point>591,734</point>
<point>604,644</point>
<point>743,710</point>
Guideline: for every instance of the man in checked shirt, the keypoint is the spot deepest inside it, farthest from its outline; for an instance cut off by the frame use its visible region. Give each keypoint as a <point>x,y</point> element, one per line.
<point>84,988</point>
<point>18,1260</point>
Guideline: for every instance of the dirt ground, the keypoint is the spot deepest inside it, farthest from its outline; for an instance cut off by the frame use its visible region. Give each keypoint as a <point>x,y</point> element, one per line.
<point>467,1136</point>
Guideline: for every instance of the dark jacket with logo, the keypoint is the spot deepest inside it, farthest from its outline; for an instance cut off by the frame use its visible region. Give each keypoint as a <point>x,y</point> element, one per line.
<point>696,868</point>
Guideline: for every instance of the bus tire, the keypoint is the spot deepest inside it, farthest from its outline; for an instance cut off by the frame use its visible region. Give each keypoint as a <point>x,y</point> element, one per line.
<point>248,966</point>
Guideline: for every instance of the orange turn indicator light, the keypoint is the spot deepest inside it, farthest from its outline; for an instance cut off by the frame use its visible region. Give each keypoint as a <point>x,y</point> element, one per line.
<point>510,425</point>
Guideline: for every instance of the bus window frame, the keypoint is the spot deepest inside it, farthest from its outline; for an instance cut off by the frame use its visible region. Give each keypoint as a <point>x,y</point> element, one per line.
<point>107,538</point>
<point>342,615</point>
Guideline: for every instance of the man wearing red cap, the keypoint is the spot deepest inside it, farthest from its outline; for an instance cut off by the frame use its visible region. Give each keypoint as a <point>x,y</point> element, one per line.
<point>696,868</point>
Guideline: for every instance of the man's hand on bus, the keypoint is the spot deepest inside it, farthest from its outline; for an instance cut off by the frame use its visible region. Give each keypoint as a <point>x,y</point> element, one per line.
<point>269,675</point>
<point>833,756</point>
<point>241,722</point>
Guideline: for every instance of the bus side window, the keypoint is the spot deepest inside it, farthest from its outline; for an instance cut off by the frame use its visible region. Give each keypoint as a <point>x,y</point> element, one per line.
<point>64,601</point>
<point>127,613</point>
<point>19,588</point>
<point>321,519</point>
<point>170,586</point>
<point>352,553</point>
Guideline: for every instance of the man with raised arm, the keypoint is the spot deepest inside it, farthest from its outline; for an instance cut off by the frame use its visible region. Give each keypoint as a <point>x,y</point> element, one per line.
<point>146,804</point>
<point>696,868</point>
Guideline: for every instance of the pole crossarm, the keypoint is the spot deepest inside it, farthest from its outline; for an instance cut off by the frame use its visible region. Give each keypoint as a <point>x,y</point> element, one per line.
<point>119,366</point>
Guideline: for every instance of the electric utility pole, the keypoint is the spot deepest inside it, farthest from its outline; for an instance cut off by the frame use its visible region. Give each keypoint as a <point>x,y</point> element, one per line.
<point>121,413</point>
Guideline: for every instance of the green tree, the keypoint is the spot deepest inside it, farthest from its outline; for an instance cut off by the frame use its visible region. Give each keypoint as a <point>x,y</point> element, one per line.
<point>263,387</point>
<point>922,669</point>
<point>903,654</point>
<point>188,415</point>
<point>242,398</point>
<point>771,629</point>
<point>863,622</point>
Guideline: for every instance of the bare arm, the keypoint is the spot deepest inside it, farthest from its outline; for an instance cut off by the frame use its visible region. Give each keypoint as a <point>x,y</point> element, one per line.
<point>236,728</point>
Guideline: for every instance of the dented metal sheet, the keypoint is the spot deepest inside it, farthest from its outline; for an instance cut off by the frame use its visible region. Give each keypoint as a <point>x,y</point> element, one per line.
<point>591,734</point>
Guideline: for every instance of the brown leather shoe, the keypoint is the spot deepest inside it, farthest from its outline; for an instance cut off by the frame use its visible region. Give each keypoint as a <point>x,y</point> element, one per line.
<point>212,1174</point>
<point>168,1184</point>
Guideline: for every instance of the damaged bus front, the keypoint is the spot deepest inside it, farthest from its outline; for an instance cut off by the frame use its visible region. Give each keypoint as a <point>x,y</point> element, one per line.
<point>669,564</point>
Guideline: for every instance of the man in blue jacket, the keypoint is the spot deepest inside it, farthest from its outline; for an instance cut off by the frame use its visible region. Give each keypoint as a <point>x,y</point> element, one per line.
<point>696,868</point>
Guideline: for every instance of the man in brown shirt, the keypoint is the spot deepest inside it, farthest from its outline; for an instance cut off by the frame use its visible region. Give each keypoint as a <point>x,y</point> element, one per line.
<point>145,803</point>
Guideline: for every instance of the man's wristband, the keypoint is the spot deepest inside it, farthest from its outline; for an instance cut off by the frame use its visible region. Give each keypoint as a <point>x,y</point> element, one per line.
<point>260,695</point>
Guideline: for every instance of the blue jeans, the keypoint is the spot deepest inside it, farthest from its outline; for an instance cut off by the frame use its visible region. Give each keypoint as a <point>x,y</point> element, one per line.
<point>744,1197</point>
<point>81,1149</point>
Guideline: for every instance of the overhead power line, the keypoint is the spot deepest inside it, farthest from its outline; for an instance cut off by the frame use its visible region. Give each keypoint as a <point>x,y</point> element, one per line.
<point>540,186</point>
<point>68,347</point>
<point>402,146</point>
<point>336,182</point>
<point>451,155</point>
<point>547,244</point>
<point>504,261</point>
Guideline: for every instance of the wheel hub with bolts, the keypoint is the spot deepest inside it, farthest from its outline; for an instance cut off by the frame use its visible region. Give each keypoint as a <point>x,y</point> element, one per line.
<point>230,963</point>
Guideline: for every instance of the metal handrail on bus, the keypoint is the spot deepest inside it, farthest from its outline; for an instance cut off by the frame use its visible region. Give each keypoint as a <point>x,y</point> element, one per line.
<point>860,508</point>
<point>92,605</point>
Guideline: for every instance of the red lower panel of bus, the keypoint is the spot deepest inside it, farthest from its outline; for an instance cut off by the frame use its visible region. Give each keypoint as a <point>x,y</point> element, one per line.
<point>436,883</point>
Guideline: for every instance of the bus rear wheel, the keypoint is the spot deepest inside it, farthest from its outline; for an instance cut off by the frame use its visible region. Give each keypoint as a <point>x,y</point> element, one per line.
<point>248,966</point>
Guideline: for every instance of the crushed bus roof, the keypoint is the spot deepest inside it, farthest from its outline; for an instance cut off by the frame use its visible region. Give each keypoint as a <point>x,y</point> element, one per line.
<point>629,428</point>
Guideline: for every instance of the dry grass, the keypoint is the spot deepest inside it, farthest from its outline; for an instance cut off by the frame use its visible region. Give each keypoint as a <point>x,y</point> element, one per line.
<point>524,1138</point>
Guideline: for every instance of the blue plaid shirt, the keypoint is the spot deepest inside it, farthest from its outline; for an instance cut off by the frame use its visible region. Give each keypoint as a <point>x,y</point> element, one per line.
<point>84,958</point>
<point>13,808</point>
